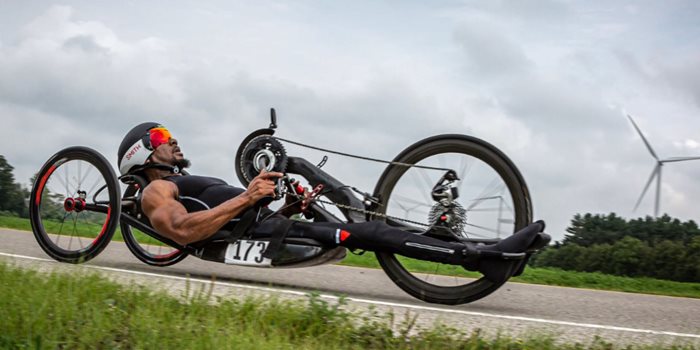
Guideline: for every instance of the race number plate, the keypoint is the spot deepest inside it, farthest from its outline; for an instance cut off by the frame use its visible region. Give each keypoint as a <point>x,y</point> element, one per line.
<point>245,252</point>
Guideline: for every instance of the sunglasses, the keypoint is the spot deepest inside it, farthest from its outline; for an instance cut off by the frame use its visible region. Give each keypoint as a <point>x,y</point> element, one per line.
<point>159,136</point>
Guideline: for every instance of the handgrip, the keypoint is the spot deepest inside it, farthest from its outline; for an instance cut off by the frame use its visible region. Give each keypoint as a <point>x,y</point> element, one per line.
<point>273,118</point>
<point>279,193</point>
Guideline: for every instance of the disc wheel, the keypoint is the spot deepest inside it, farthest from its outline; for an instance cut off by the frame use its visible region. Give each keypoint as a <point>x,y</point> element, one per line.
<point>74,205</point>
<point>492,192</point>
<point>146,248</point>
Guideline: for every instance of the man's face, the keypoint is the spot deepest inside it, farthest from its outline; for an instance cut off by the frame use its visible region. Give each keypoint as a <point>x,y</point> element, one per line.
<point>170,153</point>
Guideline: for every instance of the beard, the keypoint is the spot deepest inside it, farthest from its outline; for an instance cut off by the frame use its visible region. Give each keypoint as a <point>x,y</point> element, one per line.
<point>182,163</point>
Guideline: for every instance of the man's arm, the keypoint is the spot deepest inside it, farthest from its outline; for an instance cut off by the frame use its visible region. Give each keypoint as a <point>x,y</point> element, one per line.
<point>170,218</point>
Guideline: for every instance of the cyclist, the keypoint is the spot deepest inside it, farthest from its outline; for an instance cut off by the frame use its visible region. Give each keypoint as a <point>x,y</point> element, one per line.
<point>191,208</point>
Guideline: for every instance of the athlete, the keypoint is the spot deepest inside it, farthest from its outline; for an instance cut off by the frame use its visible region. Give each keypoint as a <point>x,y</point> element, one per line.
<point>190,208</point>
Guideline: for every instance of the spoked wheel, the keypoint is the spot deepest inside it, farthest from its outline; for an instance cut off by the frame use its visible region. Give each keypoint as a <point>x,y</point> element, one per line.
<point>492,193</point>
<point>146,248</point>
<point>74,206</point>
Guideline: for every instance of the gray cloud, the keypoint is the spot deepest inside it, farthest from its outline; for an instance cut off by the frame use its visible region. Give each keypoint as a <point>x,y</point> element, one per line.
<point>489,53</point>
<point>551,99</point>
<point>685,76</point>
<point>84,43</point>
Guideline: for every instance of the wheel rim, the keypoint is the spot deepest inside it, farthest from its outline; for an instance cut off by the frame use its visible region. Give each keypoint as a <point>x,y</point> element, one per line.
<point>486,192</point>
<point>61,195</point>
<point>150,248</point>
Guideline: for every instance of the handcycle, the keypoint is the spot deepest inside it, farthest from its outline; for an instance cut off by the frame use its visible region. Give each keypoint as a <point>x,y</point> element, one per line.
<point>452,187</point>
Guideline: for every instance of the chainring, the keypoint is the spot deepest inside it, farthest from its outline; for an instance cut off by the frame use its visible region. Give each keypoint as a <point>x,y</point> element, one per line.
<point>265,148</point>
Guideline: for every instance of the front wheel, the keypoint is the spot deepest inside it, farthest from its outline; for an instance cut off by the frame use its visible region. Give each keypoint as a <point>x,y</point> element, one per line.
<point>492,193</point>
<point>74,205</point>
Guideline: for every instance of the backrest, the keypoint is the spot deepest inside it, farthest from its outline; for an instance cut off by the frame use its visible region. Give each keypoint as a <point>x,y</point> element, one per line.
<point>131,199</point>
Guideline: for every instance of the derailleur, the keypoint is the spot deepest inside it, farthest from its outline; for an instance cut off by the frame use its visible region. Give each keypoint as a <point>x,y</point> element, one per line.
<point>447,216</point>
<point>445,190</point>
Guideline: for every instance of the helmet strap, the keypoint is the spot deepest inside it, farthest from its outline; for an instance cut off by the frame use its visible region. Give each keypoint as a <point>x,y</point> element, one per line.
<point>161,166</point>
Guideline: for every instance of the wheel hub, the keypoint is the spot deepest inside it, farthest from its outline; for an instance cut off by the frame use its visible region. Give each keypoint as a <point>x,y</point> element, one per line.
<point>76,204</point>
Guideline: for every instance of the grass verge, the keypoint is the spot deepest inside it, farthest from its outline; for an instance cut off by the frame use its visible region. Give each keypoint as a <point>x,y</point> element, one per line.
<point>546,276</point>
<point>553,277</point>
<point>85,311</point>
<point>83,230</point>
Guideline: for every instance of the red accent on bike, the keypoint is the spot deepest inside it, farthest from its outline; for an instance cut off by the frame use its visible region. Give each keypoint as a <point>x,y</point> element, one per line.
<point>69,204</point>
<point>344,235</point>
<point>43,182</point>
<point>104,226</point>
<point>317,190</point>
<point>443,218</point>
<point>80,204</point>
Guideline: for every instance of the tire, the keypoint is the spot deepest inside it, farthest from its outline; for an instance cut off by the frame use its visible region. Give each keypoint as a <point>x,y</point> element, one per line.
<point>467,149</point>
<point>68,234</point>
<point>146,248</point>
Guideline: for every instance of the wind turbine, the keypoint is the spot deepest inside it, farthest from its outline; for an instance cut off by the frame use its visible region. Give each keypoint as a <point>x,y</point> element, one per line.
<point>656,172</point>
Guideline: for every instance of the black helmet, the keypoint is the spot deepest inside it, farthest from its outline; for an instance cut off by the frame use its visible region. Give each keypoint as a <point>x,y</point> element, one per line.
<point>135,148</point>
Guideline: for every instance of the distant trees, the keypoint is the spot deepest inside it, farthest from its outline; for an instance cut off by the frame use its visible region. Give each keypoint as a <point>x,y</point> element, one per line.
<point>13,197</point>
<point>663,247</point>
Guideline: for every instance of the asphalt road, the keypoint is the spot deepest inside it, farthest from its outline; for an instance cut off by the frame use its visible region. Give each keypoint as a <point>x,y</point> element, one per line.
<point>516,309</point>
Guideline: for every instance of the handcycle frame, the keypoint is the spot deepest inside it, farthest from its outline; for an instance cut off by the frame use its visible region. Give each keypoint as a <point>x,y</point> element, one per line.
<point>299,252</point>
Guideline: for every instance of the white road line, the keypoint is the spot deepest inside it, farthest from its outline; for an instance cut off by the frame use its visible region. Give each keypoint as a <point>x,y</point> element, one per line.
<point>377,302</point>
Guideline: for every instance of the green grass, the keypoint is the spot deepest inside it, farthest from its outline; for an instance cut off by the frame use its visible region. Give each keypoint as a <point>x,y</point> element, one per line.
<point>546,276</point>
<point>83,230</point>
<point>15,223</point>
<point>85,311</point>
<point>596,280</point>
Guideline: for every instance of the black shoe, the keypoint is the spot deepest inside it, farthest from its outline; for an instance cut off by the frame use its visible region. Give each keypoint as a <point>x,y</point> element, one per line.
<point>500,260</point>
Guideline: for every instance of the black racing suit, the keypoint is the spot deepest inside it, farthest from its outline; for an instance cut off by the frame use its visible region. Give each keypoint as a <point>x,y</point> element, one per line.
<point>200,193</point>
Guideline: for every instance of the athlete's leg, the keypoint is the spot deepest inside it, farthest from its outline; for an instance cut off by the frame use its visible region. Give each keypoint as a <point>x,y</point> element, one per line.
<point>372,236</point>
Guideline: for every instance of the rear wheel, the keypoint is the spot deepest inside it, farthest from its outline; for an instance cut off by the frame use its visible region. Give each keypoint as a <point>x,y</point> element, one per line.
<point>146,248</point>
<point>74,205</point>
<point>491,191</point>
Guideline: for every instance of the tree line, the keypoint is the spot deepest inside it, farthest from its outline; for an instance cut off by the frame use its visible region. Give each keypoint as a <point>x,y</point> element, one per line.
<point>663,247</point>
<point>14,198</point>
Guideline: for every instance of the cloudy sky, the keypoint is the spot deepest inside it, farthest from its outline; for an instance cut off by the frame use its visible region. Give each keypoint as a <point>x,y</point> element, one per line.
<point>548,82</point>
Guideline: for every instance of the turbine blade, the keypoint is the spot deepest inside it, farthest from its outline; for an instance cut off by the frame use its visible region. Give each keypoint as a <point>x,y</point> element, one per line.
<point>651,150</point>
<point>679,159</point>
<point>646,187</point>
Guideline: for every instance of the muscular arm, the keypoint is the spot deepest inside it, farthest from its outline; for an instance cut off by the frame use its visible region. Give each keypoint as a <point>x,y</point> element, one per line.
<point>170,218</point>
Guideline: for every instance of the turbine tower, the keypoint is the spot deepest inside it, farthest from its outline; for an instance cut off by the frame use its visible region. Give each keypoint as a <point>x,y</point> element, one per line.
<point>656,172</point>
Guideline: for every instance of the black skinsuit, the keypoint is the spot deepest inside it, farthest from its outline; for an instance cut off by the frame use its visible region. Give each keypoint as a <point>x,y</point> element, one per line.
<point>200,193</point>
